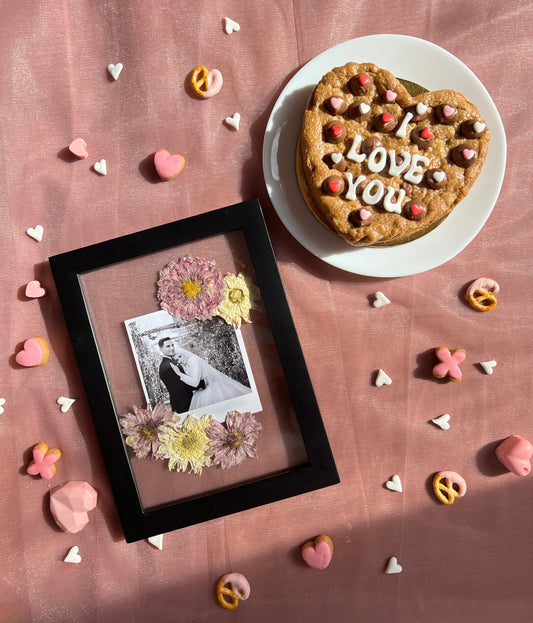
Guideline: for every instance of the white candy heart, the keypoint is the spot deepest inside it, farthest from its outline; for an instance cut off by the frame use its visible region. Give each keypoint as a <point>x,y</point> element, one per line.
<point>478,127</point>
<point>115,70</point>
<point>421,108</point>
<point>364,108</point>
<point>336,157</point>
<point>393,566</point>
<point>2,403</point>
<point>439,176</point>
<point>234,121</point>
<point>36,232</point>
<point>443,421</point>
<point>382,378</point>
<point>156,541</point>
<point>65,403</point>
<point>488,366</point>
<point>231,26</point>
<point>381,300</point>
<point>394,484</point>
<point>73,555</point>
<point>101,167</point>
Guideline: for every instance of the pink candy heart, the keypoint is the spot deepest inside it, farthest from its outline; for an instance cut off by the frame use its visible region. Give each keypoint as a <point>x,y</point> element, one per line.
<point>448,111</point>
<point>336,103</point>
<point>79,148</point>
<point>364,214</point>
<point>70,503</point>
<point>34,290</point>
<point>468,154</point>
<point>390,96</point>
<point>31,355</point>
<point>168,165</point>
<point>318,553</point>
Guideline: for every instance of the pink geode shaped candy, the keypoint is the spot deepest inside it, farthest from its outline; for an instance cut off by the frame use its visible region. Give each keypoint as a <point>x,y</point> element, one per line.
<point>70,503</point>
<point>515,453</point>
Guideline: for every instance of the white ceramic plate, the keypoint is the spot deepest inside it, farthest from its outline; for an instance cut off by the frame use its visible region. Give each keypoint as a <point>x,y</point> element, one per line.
<point>411,59</point>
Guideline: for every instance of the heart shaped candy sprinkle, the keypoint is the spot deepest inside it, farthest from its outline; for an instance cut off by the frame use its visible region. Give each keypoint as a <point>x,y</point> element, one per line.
<point>394,484</point>
<point>390,96</point>
<point>73,555</point>
<point>101,167</point>
<point>115,70</point>
<point>381,299</point>
<point>34,290</point>
<point>382,378</point>
<point>468,154</point>
<point>364,214</point>
<point>421,108</point>
<point>488,366</point>
<point>336,103</point>
<point>364,108</point>
<point>231,26</point>
<point>2,403</point>
<point>386,117</point>
<point>416,209</point>
<point>78,147</point>
<point>34,353</point>
<point>448,111</point>
<point>336,157</point>
<point>439,176</point>
<point>167,165</point>
<point>478,126</point>
<point>393,566</point>
<point>363,80</point>
<point>336,130</point>
<point>334,185</point>
<point>426,133</point>
<point>65,403</point>
<point>234,121</point>
<point>36,232</point>
<point>443,421</point>
<point>156,541</point>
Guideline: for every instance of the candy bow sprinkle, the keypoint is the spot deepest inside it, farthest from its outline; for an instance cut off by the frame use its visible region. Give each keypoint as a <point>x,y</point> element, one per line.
<point>43,461</point>
<point>449,365</point>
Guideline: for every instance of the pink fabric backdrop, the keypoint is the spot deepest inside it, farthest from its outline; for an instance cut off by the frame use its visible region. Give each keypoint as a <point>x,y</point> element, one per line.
<point>470,562</point>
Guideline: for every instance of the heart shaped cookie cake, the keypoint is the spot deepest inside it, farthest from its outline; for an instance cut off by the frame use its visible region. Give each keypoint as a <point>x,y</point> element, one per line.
<point>377,166</point>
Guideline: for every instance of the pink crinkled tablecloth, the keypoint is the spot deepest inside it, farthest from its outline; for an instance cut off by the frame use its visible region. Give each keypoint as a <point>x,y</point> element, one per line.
<point>469,562</point>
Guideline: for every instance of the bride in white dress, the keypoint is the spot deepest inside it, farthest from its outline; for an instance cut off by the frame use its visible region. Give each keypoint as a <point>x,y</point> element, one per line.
<point>218,386</point>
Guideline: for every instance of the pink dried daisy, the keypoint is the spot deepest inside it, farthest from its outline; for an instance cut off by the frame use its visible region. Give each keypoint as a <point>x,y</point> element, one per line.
<point>191,288</point>
<point>141,428</point>
<point>233,442</point>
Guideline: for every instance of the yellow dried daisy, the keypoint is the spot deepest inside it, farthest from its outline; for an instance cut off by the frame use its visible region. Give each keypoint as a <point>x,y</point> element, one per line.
<point>240,297</point>
<point>185,446</point>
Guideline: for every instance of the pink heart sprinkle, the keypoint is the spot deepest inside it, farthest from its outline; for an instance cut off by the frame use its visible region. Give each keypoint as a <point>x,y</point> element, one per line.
<point>468,154</point>
<point>31,355</point>
<point>34,290</point>
<point>390,96</point>
<point>78,147</point>
<point>448,111</point>
<point>364,214</point>
<point>336,103</point>
<point>168,165</point>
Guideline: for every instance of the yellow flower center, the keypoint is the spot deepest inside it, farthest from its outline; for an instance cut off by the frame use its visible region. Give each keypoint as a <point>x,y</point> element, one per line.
<point>191,287</point>
<point>147,433</point>
<point>192,443</point>
<point>236,296</point>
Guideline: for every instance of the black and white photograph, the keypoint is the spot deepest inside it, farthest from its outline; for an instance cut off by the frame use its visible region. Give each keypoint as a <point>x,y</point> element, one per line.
<point>193,366</point>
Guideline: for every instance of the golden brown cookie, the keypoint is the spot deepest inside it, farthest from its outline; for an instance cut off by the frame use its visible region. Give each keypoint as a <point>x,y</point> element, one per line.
<point>405,161</point>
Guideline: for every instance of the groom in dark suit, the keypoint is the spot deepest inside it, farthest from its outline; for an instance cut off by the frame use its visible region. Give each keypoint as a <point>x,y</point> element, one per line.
<point>180,392</point>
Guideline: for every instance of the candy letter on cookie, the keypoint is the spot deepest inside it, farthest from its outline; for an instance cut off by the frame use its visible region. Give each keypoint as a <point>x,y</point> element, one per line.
<point>70,503</point>
<point>168,165</point>
<point>447,486</point>
<point>34,353</point>
<point>449,363</point>
<point>318,553</point>
<point>44,460</point>
<point>515,453</point>
<point>231,588</point>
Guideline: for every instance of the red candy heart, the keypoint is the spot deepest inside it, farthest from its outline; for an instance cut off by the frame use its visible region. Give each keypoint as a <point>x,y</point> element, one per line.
<point>416,209</point>
<point>386,117</point>
<point>336,130</point>
<point>426,133</point>
<point>363,80</point>
<point>334,185</point>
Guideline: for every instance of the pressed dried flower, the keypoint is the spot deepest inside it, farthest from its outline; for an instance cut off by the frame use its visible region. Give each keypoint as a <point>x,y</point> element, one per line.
<point>234,440</point>
<point>239,298</point>
<point>191,288</point>
<point>186,446</point>
<point>141,428</point>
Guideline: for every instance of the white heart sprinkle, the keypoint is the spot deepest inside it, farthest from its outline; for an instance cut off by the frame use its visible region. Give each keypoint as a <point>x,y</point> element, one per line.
<point>156,541</point>
<point>36,232</point>
<point>443,421</point>
<point>115,70</point>
<point>65,403</point>
<point>478,126</point>
<point>439,176</point>
<point>394,484</point>
<point>381,300</point>
<point>234,121</point>
<point>382,378</point>
<point>73,555</point>
<point>101,167</point>
<point>364,108</point>
<point>231,26</point>
<point>488,366</point>
<point>393,566</point>
<point>336,157</point>
<point>421,108</point>
<point>2,403</point>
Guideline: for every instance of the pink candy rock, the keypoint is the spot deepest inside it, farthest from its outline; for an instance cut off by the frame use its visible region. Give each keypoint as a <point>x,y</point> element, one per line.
<point>515,453</point>
<point>69,504</point>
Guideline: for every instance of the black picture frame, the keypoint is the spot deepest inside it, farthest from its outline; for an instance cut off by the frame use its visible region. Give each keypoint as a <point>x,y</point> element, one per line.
<point>319,470</point>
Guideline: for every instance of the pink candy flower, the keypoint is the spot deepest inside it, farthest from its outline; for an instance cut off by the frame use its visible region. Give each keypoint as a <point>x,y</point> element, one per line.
<point>141,428</point>
<point>191,288</point>
<point>233,442</point>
